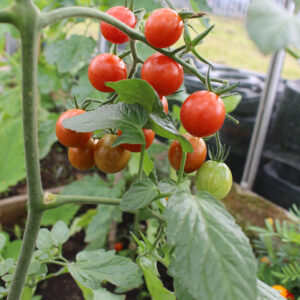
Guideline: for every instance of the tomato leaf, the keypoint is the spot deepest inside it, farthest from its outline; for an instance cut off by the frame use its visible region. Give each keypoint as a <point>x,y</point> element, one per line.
<point>60,233</point>
<point>12,160</point>
<point>265,292</point>
<point>271,27</point>
<point>132,91</point>
<point>139,195</point>
<point>231,102</point>
<point>128,118</point>
<point>167,186</point>
<point>212,254</point>
<point>93,267</point>
<point>154,285</point>
<point>163,126</point>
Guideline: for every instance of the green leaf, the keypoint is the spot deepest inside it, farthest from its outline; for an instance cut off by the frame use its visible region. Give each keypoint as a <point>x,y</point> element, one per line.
<point>93,267</point>
<point>167,186</point>
<point>12,249</point>
<point>132,91</point>
<point>71,53</point>
<point>47,136</point>
<point>11,103</point>
<point>60,233</point>
<point>265,292</point>
<point>164,127</point>
<point>2,241</point>
<point>12,160</point>
<point>48,80</point>
<point>134,162</point>
<point>212,254</point>
<point>148,164</point>
<point>44,240</point>
<point>271,27</point>
<point>297,6</point>
<point>231,102</point>
<point>62,213</point>
<point>105,294</point>
<point>27,293</point>
<point>181,292</point>
<point>154,285</point>
<point>140,194</point>
<point>128,118</point>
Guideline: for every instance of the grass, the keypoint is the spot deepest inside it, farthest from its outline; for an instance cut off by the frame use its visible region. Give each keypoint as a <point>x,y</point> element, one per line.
<point>228,44</point>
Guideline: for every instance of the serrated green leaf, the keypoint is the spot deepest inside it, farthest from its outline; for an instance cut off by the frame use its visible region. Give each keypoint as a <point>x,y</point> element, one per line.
<point>132,91</point>
<point>212,254</point>
<point>12,249</point>
<point>271,27</point>
<point>93,267</point>
<point>163,126</point>
<point>47,136</point>
<point>167,186</point>
<point>154,285</point>
<point>44,240</point>
<point>2,241</point>
<point>11,154</point>
<point>231,102</point>
<point>130,119</point>
<point>265,292</point>
<point>71,53</point>
<point>60,233</point>
<point>148,164</point>
<point>140,194</point>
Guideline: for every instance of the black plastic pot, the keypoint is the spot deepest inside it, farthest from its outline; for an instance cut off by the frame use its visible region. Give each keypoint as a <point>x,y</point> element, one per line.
<point>280,183</point>
<point>286,129</point>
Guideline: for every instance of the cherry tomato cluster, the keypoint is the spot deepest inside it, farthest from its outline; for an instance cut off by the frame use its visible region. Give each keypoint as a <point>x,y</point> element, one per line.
<point>85,152</point>
<point>202,113</point>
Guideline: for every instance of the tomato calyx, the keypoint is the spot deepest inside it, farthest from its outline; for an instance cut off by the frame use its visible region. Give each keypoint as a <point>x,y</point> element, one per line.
<point>221,152</point>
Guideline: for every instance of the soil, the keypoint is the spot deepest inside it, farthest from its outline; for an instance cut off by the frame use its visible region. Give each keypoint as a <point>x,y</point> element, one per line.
<point>55,171</point>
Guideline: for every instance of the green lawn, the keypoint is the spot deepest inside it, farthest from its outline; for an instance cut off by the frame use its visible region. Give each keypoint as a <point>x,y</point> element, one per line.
<point>228,44</point>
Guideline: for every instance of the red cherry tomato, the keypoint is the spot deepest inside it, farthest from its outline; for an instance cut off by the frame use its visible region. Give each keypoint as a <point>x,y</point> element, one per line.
<point>193,160</point>
<point>163,73</point>
<point>112,33</point>
<point>71,138</point>
<point>202,113</point>
<point>165,104</point>
<point>110,159</point>
<point>104,68</point>
<point>82,158</point>
<point>149,137</point>
<point>163,28</point>
<point>118,246</point>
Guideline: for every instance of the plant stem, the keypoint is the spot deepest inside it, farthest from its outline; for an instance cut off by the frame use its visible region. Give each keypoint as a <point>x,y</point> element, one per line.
<point>181,170</point>
<point>27,25</point>
<point>52,200</point>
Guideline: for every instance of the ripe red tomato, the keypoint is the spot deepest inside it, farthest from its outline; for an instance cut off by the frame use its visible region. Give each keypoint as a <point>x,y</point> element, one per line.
<point>108,159</point>
<point>163,28</point>
<point>82,158</point>
<point>106,67</point>
<point>149,137</point>
<point>163,73</point>
<point>193,160</point>
<point>202,113</point>
<point>215,178</point>
<point>112,33</point>
<point>165,104</point>
<point>71,138</point>
<point>283,291</point>
<point>118,246</point>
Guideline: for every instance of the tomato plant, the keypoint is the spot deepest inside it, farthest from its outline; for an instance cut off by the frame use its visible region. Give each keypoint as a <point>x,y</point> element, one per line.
<point>202,113</point>
<point>82,158</point>
<point>109,159</point>
<point>194,160</point>
<point>112,33</point>
<point>215,178</point>
<point>104,68</point>
<point>163,28</point>
<point>178,233</point>
<point>149,138</point>
<point>163,73</point>
<point>71,138</point>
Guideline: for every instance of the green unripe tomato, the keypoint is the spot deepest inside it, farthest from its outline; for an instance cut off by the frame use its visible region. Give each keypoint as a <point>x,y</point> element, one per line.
<point>215,178</point>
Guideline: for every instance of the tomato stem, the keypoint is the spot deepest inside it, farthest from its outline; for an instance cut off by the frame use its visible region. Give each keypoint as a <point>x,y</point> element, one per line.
<point>181,170</point>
